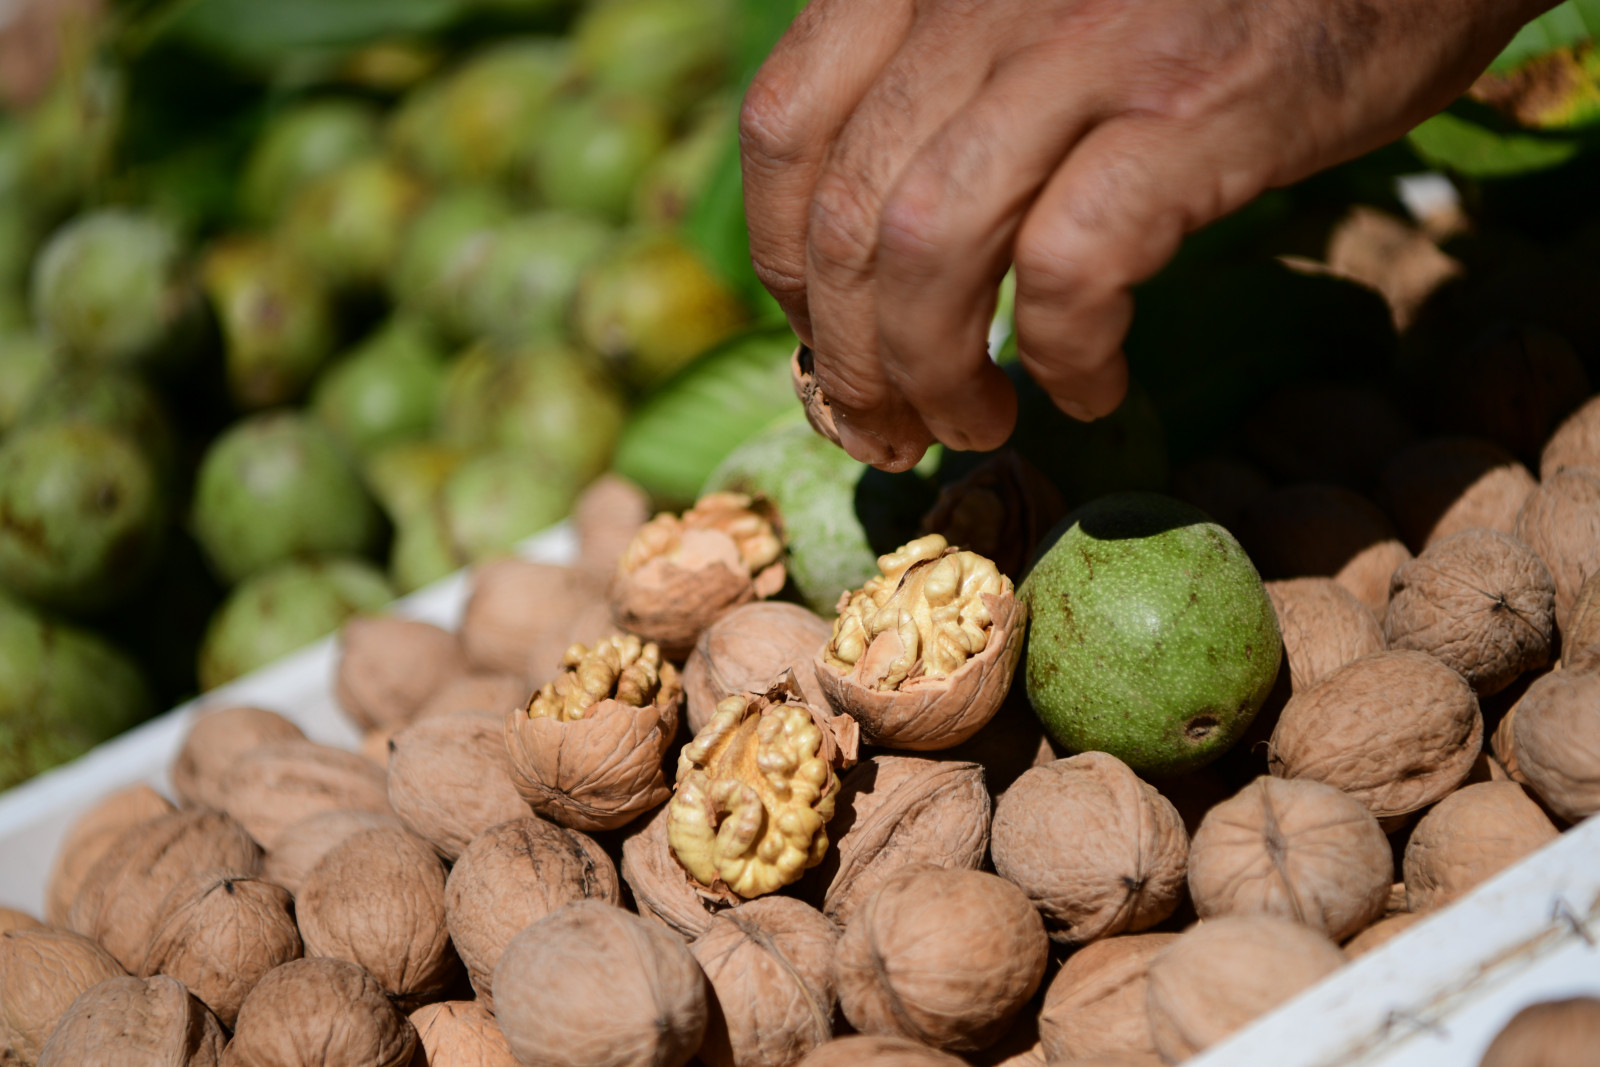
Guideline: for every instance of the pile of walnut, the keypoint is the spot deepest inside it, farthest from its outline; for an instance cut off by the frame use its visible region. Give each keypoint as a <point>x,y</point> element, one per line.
<point>636,813</point>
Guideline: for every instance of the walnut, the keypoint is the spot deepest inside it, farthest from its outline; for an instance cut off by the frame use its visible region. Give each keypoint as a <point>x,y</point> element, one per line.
<point>1503,747</point>
<point>218,932</point>
<point>923,655</point>
<point>606,516</point>
<point>587,749</point>
<point>459,1033</point>
<point>1297,849</point>
<point>318,1013</point>
<point>1380,932</point>
<point>746,649</point>
<point>494,694</point>
<point>1307,530</point>
<point>13,919</point>
<point>1480,602</point>
<point>1095,1005</point>
<point>1007,745</point>
<point>274,786</point>
<point>88,839</point>
<point>594,986</point>
<point>770,965</point>
<point>1221,974</point>
<point>819,413</point>
<point>450,780</point>
<point>122,895</point>
<point>1556,1033</point>
<point>377,899</point>
<point>1324,627</point>
<point>389,667</point>
<point>1397,730</point>
<point>1468,837</point>
<point>1097,850</point>
<point>515,604</point>
<point>899,810</point>
<point>872,1050</point>
<point>944,957</point>
<point>512,876</point>
<point>1001,511</point>
<point>1514,385</point>
<point>302,844</point>
<point>1575,443</point>
<point>755,790</point>
<point>1450,484</point>
<point>132,1022</point>
<point>41,973</point>
<point>680,574</point>
<point>1561,522</point>
<point>1582,635</point>
<point>214,744</point>
<point>662,890</point>
<point>1556,739</point>
<point>1325,432</point>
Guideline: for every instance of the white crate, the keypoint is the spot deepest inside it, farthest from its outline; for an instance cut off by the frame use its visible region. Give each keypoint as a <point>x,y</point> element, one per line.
<point>1432,997</point>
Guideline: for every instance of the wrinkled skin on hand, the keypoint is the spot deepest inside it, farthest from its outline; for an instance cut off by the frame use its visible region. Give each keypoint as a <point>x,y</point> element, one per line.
<point>900,155</point>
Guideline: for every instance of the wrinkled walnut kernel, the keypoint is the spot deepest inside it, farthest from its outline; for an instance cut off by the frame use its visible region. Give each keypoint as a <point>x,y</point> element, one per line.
<point>621,668</point>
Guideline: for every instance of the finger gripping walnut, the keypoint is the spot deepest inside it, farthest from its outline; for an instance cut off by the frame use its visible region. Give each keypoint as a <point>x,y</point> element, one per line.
<point>1095,1006</point>
<point>587,749</point>
<point>1480,602</point>
<point>132,1022</point>
<point>1467,838</point>
<point>1556,739</point>
<point>318,1013</point>
<point>1296,849</point>
<point>923,655</point>
<point>680,574</point>
<point>1097,850</point>
<point>41,973</point>
<point>755,790</point>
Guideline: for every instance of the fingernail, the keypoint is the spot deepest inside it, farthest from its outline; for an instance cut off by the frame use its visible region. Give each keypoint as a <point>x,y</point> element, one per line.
<point>863,445</point>
<point>1076,410</point>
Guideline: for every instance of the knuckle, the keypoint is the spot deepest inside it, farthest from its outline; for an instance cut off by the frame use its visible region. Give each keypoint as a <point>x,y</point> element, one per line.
<point>1045,270</point>
<point>913,231</point>
<point>772,125</point>
<point>842,231</point>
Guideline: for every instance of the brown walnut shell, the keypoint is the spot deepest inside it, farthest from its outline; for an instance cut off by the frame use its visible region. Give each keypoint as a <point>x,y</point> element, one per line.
<point>1095,1005</point>
<point>1467,838</point>
<point>1324,627</point>
<point>1556,740</point>
<point>1575,443</point>
<point>304,843</point>
<point>1296,849</point>
<point>1582,635</point>
<point>594,986</point>
<point>515,604</point>
<point>1480,602</point>
<point>122,896</point>
<point>770,966</point>
<point>894,811</point>
<point>320,1013</point>
<point>606,515</point>
<point>491,694</point>
<point>377,900</point>
<point>450,779</point>
<point>1001,511</point>
<point>819,413</point>
<point>214,744</point>
<point>1381,932</point>
<point>1450,484</point>
<point>274,786</point>
<point>133,1022</point>
<point>95,831</point>
<point>1325,432</point>
<point>1397,730</point>
<point>511,877</point>
<point>1502,745</point>
<point>662,890</point>
<point>1555,1033</point>
<point>1561,522</point>
<point>459,1033</point>
<point>14,919</point>
<point>41,973</point>
<point>1221,974</point>
<point>1097,850</point>
<point>744,650</point>
<point>877,1050</point>
<point>218,932</point>
<point>389,667</point>
<point>1514,385</point>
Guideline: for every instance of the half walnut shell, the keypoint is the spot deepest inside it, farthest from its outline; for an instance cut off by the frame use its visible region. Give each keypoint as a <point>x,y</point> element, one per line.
<point>923,655</point>
<point>802,373</point>
<point>587,749</point>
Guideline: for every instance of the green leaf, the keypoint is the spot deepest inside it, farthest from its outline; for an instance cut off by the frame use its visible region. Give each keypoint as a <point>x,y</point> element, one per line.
<point>1570,23</point>
<point>1457,142</point>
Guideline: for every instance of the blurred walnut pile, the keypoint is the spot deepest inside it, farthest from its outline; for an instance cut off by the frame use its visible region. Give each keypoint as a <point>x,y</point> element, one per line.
<point>638,812</point>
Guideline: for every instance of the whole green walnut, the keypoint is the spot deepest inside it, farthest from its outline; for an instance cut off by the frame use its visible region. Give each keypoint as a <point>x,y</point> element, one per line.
<point>524,289</point>
<point>494,500</point>
<point>302,143</point>
<point>591,149</point>
<point>81,515</point>
<point>117,399</point>
<point>26,362</point>
<point>385,391</point>
<point>69,137</point>
<point>674,51</point>
<point>443,252</point>
<point>273,487</point>
<point>1152,637</point>
<point>348,224</point>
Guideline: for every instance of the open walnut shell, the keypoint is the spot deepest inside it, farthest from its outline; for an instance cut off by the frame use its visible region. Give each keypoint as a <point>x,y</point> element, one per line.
<point>587,749</point>
<point>682,573</point>
<point>662,889</point>
<point>756,789</point>
<point>923,655</point>
<point>819,413</point>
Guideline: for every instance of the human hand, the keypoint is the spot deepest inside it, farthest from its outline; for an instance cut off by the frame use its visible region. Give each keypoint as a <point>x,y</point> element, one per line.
<point>899,155</point>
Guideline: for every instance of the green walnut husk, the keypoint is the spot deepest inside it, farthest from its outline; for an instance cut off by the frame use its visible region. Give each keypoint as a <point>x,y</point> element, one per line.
<point>592,149</point>
<point>523,286</point>
<point>276,316</point>
<point>405,478</point>
<point>675,181</point>
<point>284,608</point>
<point>69,137</point>
<point>116,399</point>
<point>495,500</point>
<point>303,143</point>
<point>385,391</point>
<point>423,550</point>
<point>443,254</point>
<point>675,51</point>
<point>113,287</point>
<point>63,690</point>
<point>545,400</point>
<point>349,224</point>
<point>81,515</point>
<point>273,487</point>
<point>474,123</point>
<point>27,362</point>
<point>651,306</point>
